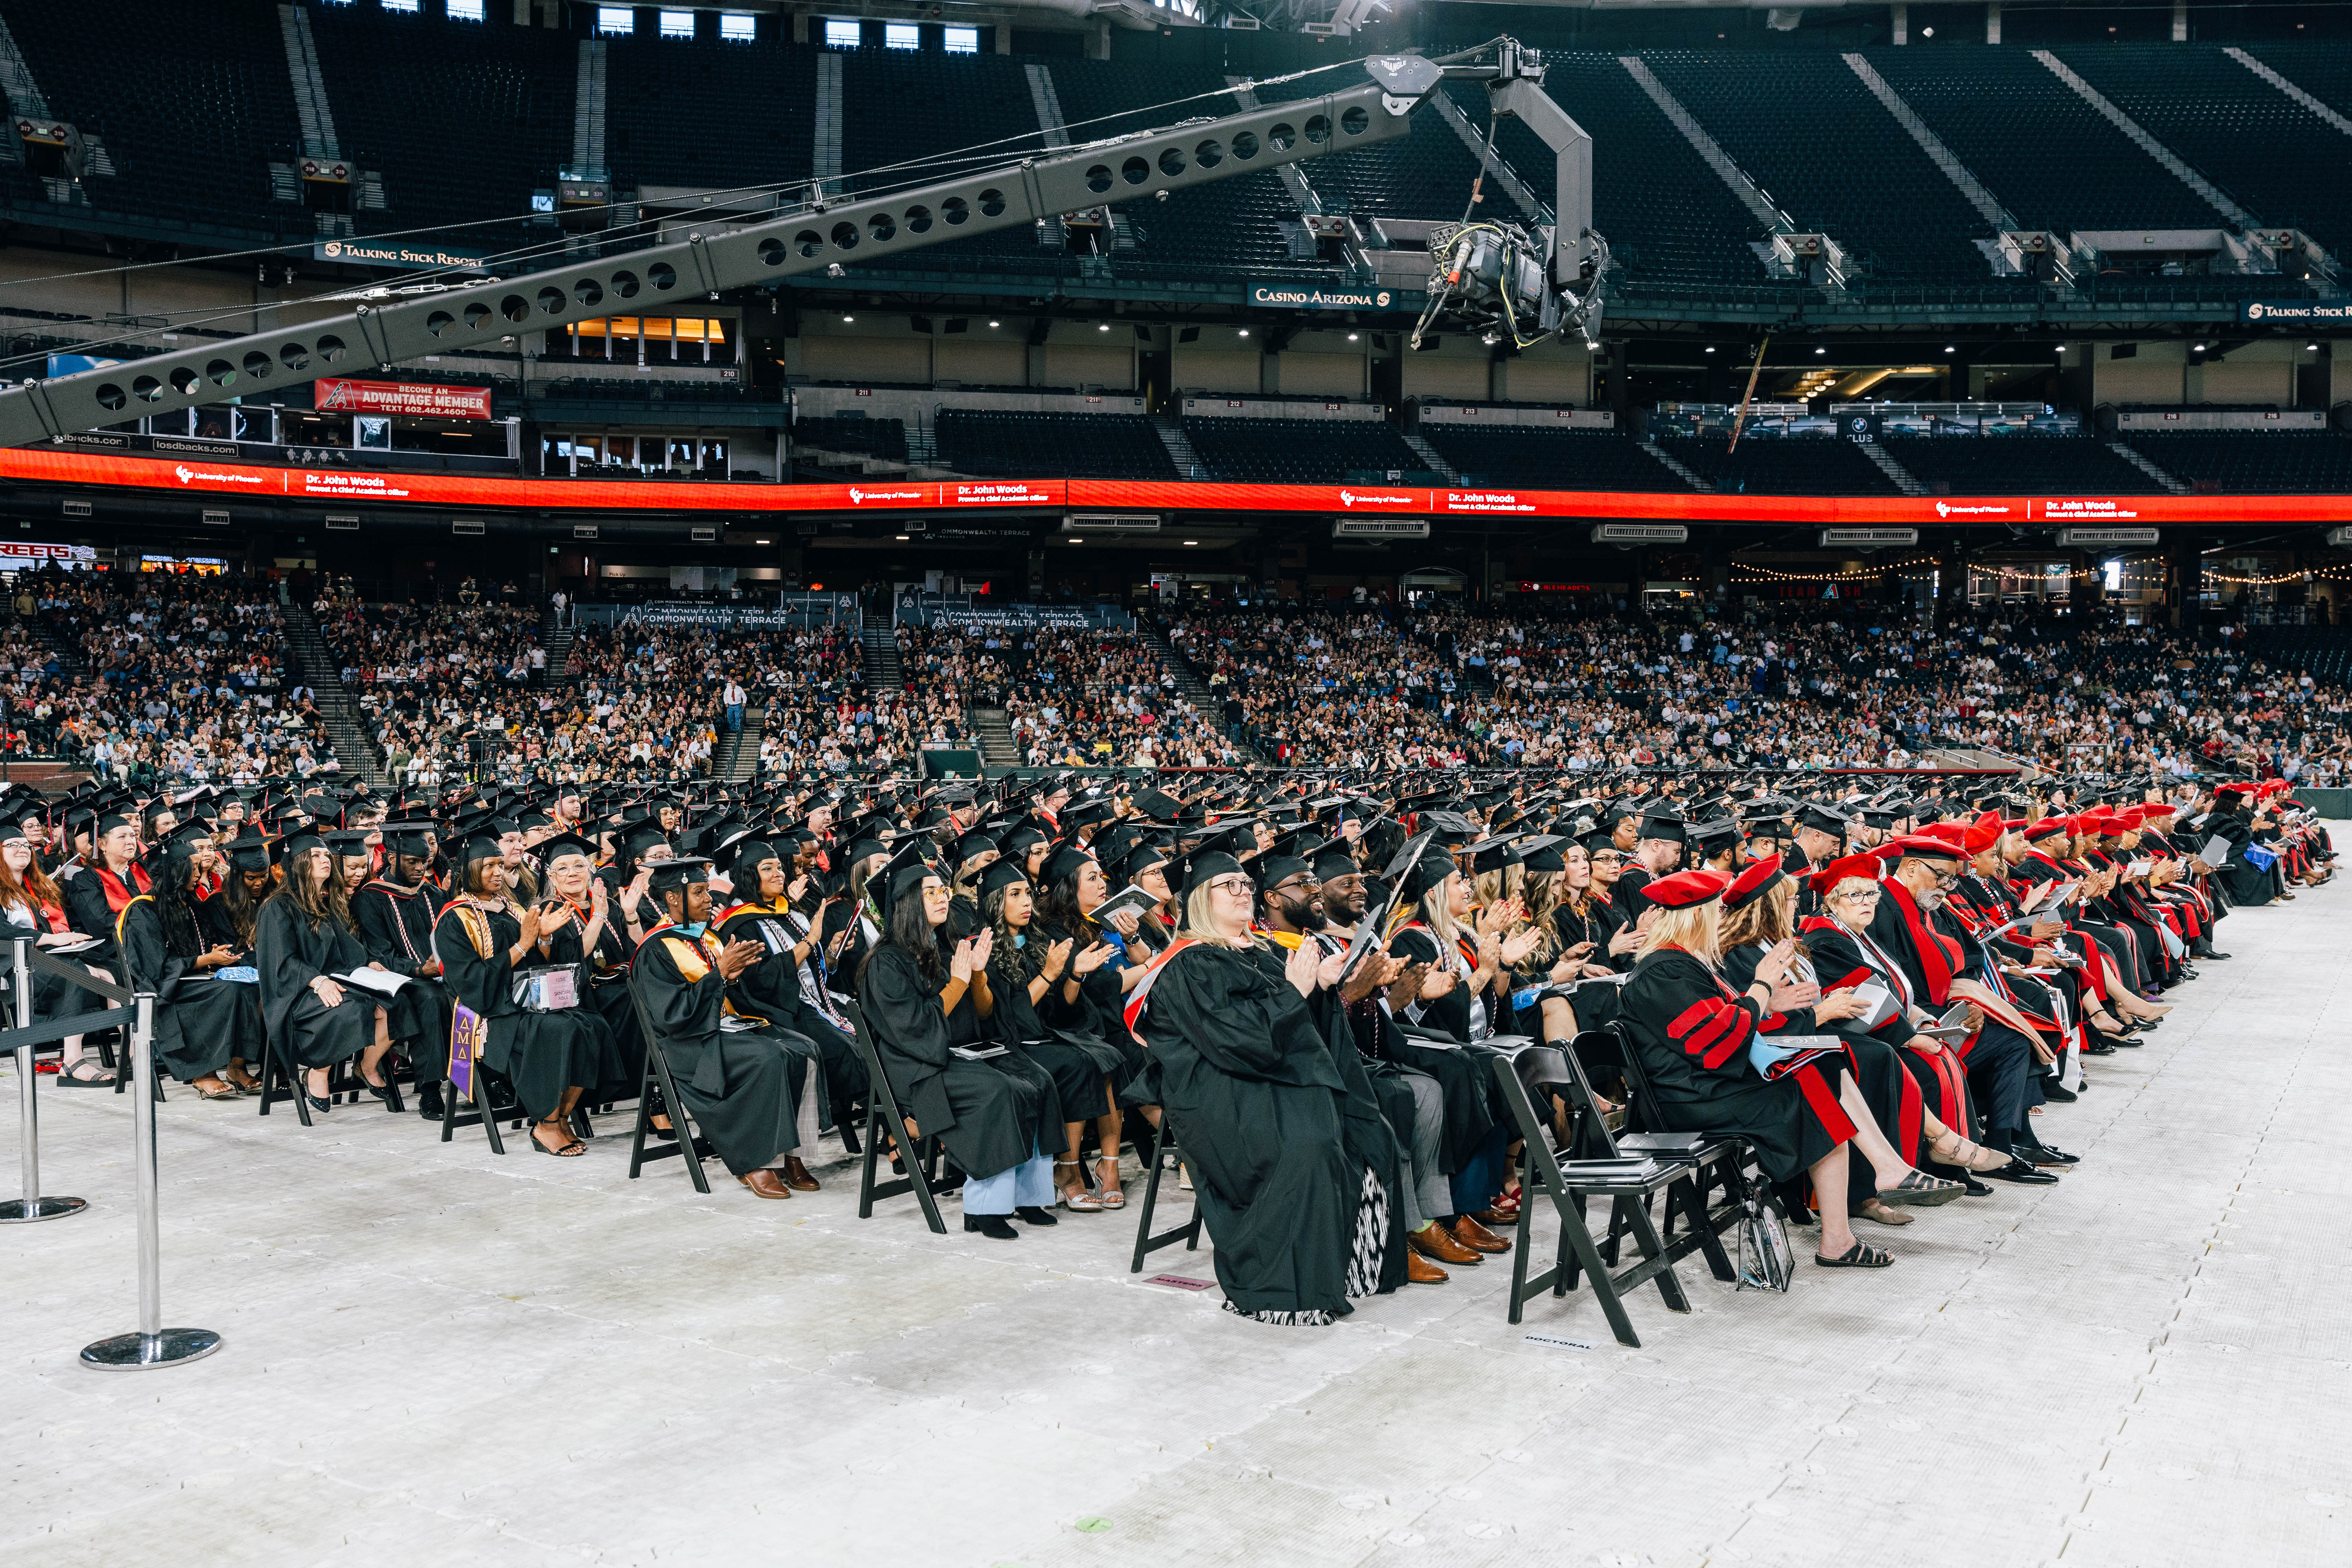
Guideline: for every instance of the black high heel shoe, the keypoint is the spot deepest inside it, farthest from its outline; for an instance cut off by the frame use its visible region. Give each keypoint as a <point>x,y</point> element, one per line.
<point>386,1091</point>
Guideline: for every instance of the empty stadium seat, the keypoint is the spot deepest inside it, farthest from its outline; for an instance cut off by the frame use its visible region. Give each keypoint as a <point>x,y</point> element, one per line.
<point>1671,224</point>
<point>2254,462</point>
<point>2048,156</point>
<point>883,438</point>
<point>2271,154</point>
<point>699,112</point>
<point>1018,444</point>
<point>2018,465</point>
<point>1811,135</point>
<point>191,102</point>
<point>1548,459</point>
<point>1789,466</point>
<point>1299,451</point>
<point>464,119</point>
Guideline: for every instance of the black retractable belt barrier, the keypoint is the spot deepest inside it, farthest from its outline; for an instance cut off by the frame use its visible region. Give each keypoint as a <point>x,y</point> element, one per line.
<point>152,1344</point>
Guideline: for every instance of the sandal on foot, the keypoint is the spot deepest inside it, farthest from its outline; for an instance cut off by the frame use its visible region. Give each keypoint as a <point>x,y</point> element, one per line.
<point>1966,1155</point>
<point>1879,1214</point>
<point>1919,1190</point>
<point>1858,1256</point>
<point>1084,1202</point>
<point>223,1091</point>
<point>570,1151</point>
<point>1111,1197</point>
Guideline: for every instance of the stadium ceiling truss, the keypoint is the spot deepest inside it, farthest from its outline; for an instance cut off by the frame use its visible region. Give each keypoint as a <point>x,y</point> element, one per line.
<point>826,237</point>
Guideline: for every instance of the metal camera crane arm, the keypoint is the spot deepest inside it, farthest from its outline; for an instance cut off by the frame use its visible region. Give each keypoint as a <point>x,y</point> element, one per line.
<point>818,239</point>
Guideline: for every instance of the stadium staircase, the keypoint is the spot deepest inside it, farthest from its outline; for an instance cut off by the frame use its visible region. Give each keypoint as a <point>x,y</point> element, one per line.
<point>2147,143</point>
<point>738,761</point>
<point>1688,476</point>
<point>2140,462</point>
<point>881,644</point>
<point>1430,456</point>
<point>311,107</point>
<point>1189,682</point>
<point>354,750</point>
<point>989,728</point>
<point>556,637</point>
<point>68,657</point>
<point>1179,445</point>
<point>1894,471</point>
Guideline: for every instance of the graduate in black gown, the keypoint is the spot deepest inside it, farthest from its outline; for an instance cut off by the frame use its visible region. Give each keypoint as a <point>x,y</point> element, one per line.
<point>1028,971</point>
<point>394,914</point>
<point>580,926</point>
<point>409,1013</point>
<point>202,1023</point>
<point>1247,1082</point>
<point>736,1076</point>
<point>1695,1034</point>
<point>302,941</point>
<point>926,999</point>
<point>551,1055</point>
<point>788,984</point>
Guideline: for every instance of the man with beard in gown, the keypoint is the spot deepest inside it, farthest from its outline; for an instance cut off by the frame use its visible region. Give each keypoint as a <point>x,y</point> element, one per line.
<point>737,1075</point>
<point>924,998</point>
<point>1301,1223</point>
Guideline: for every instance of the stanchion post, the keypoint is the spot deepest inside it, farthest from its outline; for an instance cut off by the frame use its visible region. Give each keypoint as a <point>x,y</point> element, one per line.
<point>153,1345</point>
<point>32,1205</point>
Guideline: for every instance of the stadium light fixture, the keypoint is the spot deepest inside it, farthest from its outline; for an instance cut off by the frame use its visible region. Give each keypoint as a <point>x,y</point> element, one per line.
<point>1947,348</point>
<point>996,323</point>
<point>1245,333</point>
<point>1820,351</point>
<point>1191,542</point>
<point>1709,349</point>
<point>1351,337</point>
<point>902,536</point>
<point>845,319</point>
<point>1104,328</point>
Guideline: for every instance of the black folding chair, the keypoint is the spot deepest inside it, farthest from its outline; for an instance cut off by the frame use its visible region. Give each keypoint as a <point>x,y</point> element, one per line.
<point>885,1120</point>
<point>1724,1161</point>
<point>1535,1071</point>
<point>656,1094</point>
<point>1189,1233</point>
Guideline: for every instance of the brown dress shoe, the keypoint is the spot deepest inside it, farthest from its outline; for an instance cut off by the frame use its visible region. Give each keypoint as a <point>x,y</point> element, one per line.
<point>766,1184</point>
<point>1432,1241</point>
<point>1420,1270</point>
<point>797,1177</point>
<point>1471,1233</point>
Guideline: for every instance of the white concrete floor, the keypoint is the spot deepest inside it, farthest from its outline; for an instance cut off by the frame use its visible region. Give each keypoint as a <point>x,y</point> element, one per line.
<point>434,1355</point>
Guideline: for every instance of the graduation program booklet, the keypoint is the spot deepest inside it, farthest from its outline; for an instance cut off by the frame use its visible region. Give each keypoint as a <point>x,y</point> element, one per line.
<point>1126,898</point>
<point>383,983</point>
<point>1951,1029</point>
<point>2216,852</point>
<point>1367,939</point>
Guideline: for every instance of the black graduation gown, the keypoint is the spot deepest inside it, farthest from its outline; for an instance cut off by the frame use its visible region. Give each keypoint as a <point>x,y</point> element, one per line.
<point>92,911</point>
<point>778,989</point>
<point>541,1053</point>
<point>1375,1109</point>
<point>2247,885</point>
<point>1078,1064</point>
<point>289,952</point>
<point>202,1022</point>
<point>739,1085</point>
<point>1692,1031</point>
<point>607,972</point>
<point>396,925</point>
<point>1096,1021</point>
<point>1473,1099</point>
<point>1894,1092</point>
<point>990,1114</point>
<point>1251,1088</point>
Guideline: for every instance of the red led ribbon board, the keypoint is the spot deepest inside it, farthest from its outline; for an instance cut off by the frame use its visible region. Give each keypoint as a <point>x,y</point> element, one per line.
<point>209,477</point>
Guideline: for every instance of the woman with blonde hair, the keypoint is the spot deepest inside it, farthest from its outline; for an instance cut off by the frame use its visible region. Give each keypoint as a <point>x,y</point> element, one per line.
<point>1759,912</point>
<point>1694,1031</point>
<point>1300,1218</point>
